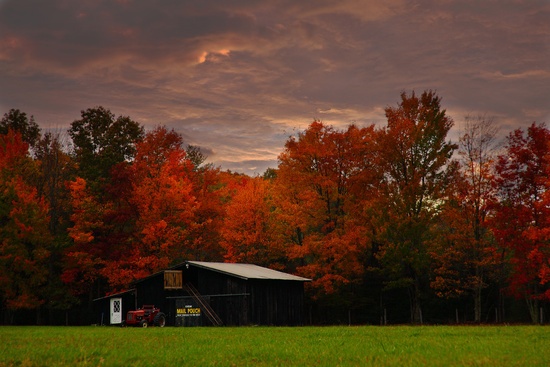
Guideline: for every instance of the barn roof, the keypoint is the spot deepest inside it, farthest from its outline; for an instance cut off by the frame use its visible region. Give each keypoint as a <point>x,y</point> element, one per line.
<point>247,271</point>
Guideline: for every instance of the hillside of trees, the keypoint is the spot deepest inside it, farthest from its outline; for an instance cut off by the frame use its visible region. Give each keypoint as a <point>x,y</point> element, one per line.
<point>393,224</point>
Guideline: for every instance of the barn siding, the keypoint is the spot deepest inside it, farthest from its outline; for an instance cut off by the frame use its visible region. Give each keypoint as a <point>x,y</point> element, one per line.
<point>227,295</point>
<point>276,302</point>
<point>150,291</point>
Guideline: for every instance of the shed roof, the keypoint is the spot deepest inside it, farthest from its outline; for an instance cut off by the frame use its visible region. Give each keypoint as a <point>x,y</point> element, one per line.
<point>247,271</point>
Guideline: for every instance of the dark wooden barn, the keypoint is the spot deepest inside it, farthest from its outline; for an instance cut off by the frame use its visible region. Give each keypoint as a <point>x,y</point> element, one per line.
<point>198,293</point>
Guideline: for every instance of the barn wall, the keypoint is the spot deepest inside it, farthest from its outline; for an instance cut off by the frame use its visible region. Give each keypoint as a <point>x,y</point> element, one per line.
<point>150,291</point>
<point>276,302</point>
<point>228,295</point>
<point>252,301</point>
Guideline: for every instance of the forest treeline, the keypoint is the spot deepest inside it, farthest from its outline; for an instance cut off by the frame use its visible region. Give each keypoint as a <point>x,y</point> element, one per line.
<point>394,223</point>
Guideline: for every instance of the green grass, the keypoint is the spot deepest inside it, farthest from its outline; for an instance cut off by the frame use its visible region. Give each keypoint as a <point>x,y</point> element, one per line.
<point>274,346</point>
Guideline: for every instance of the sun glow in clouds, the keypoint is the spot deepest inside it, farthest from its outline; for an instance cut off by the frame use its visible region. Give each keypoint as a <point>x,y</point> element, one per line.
<point>213,55</point>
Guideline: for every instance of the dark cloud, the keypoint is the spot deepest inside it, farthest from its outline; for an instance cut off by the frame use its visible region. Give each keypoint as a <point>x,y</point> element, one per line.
<point>238,77</point>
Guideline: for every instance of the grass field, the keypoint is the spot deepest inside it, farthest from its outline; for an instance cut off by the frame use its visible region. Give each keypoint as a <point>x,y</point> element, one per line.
<point>274,346</point>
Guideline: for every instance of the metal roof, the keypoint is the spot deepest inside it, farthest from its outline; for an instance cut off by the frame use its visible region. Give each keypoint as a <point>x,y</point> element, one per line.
<point>247,271</point>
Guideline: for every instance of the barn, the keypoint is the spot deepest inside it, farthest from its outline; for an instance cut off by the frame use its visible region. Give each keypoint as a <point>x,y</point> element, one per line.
<point>197,293</point>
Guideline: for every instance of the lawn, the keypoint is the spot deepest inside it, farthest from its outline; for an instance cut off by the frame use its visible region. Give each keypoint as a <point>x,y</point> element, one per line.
<point>276,346</point>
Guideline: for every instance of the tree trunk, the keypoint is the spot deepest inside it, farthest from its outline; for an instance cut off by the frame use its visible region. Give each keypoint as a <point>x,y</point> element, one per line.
<point>477,294</point>
<point>477,305</point>
<point>414,297</point>
<point>533,306</point>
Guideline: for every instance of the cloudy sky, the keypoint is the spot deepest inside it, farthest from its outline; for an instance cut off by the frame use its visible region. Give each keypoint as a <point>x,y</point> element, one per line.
<point>238,77</point>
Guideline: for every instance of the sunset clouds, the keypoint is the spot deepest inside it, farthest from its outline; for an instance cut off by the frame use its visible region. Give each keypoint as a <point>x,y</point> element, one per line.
<point>238,77</point>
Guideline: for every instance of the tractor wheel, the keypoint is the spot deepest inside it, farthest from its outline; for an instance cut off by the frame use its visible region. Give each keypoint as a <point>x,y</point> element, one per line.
<point>160,319</point>
<point>143,323</point>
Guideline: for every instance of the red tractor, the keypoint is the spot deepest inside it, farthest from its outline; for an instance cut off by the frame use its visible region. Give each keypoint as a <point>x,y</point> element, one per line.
<point>148,315</point>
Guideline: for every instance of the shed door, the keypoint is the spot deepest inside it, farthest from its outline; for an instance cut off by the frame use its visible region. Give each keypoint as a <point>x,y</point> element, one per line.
<point>116,310</point>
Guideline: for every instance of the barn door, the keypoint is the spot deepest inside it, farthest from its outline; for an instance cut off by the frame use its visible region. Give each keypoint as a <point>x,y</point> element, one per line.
<point>116,310</point>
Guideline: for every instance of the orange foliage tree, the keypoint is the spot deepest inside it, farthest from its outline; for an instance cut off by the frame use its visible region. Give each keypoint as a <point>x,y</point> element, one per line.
<point>162,196</point>
<point>312,195</point>
<point>210,190</point>
<point>248,230</point>
<point>149,216</point>
<point>84,259</point>
<point>24,237</point>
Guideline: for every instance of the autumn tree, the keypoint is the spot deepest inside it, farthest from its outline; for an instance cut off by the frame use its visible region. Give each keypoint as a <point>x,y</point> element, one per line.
<point>464,250</point>
<point>51,168</point>
<point>84,259</point>
<point>150,215</point>
<point>540,255</point>
<point>414,155</point>
<point>100,143</point>
<point>24,237</point>
<point>312,196</point>
<point>208,190</point>
<point>161,194</point>
<point>247,233</point>
<point>522,214</point>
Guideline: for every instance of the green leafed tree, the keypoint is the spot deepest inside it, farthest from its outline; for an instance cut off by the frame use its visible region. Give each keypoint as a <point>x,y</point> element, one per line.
<point>101,141</point>
<point>414,155</point>
<point>19,121</point>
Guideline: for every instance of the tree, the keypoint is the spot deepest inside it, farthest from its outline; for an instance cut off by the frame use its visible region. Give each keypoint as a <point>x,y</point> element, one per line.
<point>312,196</point>
<point>209,190</point>
<point>147,217</point>
<point>101,141</point>
<point>55,170</point>
<point>270,174</point>
<point>414,155</point>
<point>84,259</point>
<point>522,215</point>
<point>195,155</point>
<point>161,195</point>
<point>18,121</point>
<point>24,238</point>
<point>465,252</point>
<point>247,233</point>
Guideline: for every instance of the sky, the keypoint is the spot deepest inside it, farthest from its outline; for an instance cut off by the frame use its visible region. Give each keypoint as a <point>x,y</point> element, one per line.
<point>238,77</point>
